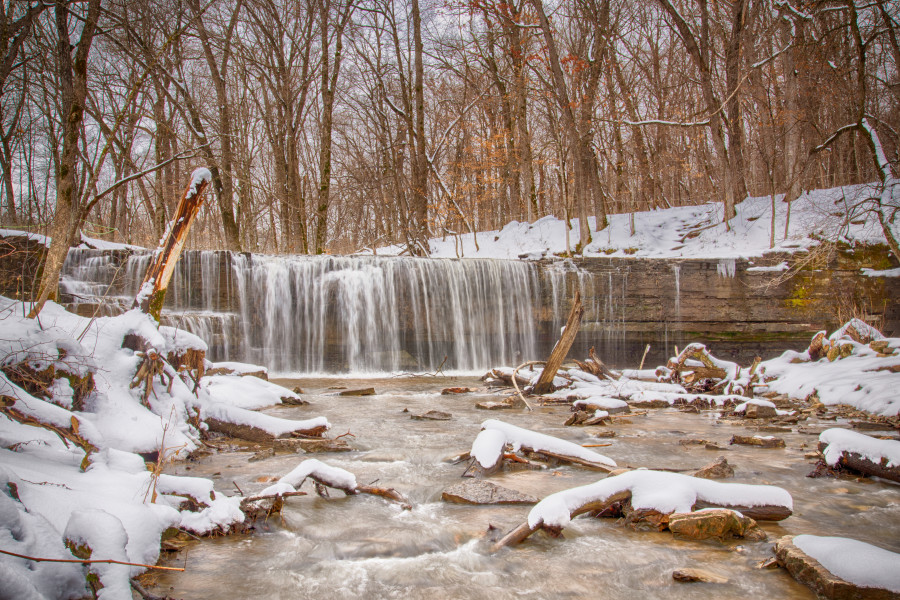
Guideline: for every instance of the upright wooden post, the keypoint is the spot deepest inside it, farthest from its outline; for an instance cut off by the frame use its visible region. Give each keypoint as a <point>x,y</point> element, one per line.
<point>561,349</point>
<point>156,280</point>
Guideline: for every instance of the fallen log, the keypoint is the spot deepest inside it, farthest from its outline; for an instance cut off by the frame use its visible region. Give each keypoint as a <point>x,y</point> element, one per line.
<point>843,448</point>
<point>561,349</point>
<point>360,392</point>
<point>642,489</point>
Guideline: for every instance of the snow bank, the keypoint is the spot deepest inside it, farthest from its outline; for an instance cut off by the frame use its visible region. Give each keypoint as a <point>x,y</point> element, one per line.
<point>853,561</point>
<point>656,490</point>
<point>863,380</point>
<point>661,233</point>
<point>110,505</point>
<point>844,440</point>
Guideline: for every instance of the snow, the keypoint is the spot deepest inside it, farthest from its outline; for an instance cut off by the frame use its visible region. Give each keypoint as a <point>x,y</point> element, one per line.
<point>873,449</point>
<point>488,447</point>
<point>518,437</point>
<point>198,177</point>
<point>40,239</point>
<point>884,273</point>
<point>110,504</point>
<point>862,380</point>
<point>661,233</point>
<point>656,490</point>
<point>238,368</point>
<point>600,402</point>
<point>327,474</point>
<point>96,244</point>
<point>853,561</point>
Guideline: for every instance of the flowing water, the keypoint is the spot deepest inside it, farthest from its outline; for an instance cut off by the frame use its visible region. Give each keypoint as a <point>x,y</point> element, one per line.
<point>364,546</point>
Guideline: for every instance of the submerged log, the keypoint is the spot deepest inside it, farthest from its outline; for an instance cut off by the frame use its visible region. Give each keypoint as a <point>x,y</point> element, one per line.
<point>561,349</point>
<point>156,280</point>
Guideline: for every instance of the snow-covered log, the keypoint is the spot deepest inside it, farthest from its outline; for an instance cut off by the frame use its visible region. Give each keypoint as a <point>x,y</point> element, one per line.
<point>326,475</point>
<point>861,453</point>
<point>657,491</point>
<point>490,444</point>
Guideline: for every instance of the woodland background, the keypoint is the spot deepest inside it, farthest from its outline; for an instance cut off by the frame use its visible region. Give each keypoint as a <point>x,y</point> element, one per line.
<point>335,125</point>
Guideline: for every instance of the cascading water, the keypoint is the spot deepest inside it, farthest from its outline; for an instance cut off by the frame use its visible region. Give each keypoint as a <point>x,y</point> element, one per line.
<point>304,314</point>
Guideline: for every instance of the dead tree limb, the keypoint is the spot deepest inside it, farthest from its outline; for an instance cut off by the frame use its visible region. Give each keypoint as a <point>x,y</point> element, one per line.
<point>516,384</point>
<point>156,280</point>
<point>561,349</point>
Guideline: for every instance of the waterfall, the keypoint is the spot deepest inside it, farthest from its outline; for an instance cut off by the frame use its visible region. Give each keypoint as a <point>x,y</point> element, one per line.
<point>304,314</point>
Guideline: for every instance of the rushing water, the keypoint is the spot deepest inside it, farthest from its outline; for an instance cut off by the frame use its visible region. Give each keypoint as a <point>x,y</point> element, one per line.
<point>364,546</point>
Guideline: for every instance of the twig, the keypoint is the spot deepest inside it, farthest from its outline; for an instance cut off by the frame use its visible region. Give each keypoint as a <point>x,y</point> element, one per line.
<point>646,350</point>
<point>240,491</point>
<point>516,385</point>
<point>90,561</point>
<point>345,434</point>
<point>595,445</point>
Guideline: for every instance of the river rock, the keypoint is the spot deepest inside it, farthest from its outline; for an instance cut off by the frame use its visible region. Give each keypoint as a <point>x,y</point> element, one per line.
<point>810,572</point>
<point>293,401</point>
<point>262,455</point>
<point>432,415</point>
<point>759,411</point>
<point>311,445</point>
<point>697,575</point>
<point>720,469</point>
<point>456,390</point>
<point>493,405</point>
<point>720,523</point>
<point>478,491</point>
<point>761,441</point>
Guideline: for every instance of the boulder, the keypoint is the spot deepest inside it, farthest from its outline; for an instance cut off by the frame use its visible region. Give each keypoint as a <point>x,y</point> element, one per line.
<point>478,491</point>
<point>720,469</point>
<point>719,523</point>
<point>759,411</point>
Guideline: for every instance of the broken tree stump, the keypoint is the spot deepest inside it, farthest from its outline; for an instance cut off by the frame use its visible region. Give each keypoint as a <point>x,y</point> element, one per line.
<point>561,349</point>
<point>156,280</point>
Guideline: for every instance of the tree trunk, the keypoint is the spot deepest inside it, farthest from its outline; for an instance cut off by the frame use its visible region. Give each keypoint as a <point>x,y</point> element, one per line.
<point>156,280</point>
<point>561,349</point>
<point>73,83</point>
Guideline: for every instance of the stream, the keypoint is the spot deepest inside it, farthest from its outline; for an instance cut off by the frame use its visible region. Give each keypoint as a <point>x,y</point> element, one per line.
<point>365,546</point>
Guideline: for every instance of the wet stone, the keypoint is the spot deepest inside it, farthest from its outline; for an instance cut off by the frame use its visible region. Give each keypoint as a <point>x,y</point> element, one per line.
<point>720,469</point>
<point>262,455</point>
<point>432,415</point>
<point>697,576</point>
<point>478,491</point>
<point>760,441</point>
<point>493,405</point>
<point>719,523</point>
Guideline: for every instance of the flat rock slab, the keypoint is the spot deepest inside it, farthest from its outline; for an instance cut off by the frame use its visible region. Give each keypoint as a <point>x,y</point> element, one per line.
<point>758,411</point>
<point>359,392</point>
<point>697,575</point>
<point>432,415</point>
<point>811,573</point>
<point>762,442</point>
<point>478,491</point>
<point>493,405</point>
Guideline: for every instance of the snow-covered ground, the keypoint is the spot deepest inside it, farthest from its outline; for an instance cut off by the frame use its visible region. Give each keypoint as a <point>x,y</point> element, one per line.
<point>832,214</point>
<point>81,476</point>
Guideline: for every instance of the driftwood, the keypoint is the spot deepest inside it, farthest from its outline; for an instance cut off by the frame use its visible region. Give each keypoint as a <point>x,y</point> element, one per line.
<point>595,366</point>
<point>561,349</point>
<point>861,464</point>
<point>156,280</point>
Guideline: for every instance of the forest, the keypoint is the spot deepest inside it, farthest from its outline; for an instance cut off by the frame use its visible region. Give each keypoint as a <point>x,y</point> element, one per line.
<point>330,126</point>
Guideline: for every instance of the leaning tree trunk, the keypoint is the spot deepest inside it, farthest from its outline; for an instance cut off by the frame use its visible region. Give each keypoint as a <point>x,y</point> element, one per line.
<point>559,352</point>
<point>156,280</point>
